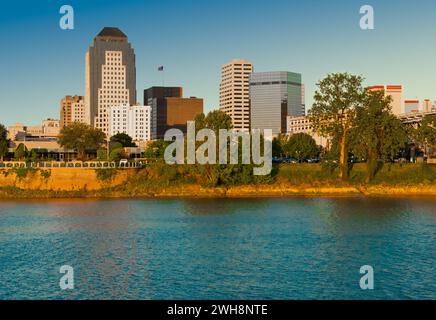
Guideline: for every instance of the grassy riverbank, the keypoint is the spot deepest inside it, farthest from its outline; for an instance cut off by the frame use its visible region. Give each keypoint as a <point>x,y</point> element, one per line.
<point>288,180</point>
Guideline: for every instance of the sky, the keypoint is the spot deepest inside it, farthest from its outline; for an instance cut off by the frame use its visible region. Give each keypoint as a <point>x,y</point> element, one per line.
<point>40,63</point>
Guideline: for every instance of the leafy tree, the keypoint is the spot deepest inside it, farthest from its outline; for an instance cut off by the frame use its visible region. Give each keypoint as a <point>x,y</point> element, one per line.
<point>114,145</point>
<point>377,135</point>
<point>102,155</point>
<point>214,120</point>
<point>3,132</point>
<point>20,152</point>
<point>278,145</point>
<point>156,149</point>
<point>333,111</point>
<point>4,144</point>
<point>425,135</point>
<point>124,139</point>
<point>4,149</point>
<point>117,154</point>
<point>80,137</point>
<point>301,146</point>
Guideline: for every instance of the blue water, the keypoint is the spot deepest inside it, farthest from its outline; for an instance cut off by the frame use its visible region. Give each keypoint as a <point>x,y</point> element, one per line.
<point>299,248</point>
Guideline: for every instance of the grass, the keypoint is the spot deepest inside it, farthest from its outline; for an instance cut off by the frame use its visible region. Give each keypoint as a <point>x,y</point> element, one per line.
<point>154,179</point>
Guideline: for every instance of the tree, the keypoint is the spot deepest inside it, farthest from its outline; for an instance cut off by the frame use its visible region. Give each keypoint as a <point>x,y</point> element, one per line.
<point>20,152</point>
<point>4,149</point>
<point>124,139</point>
<point>301,146</point>
<point>117,154</point>
<point>156,149</point>
<point>80,137</point>
<point>425,135</point>
<point>214,120</point>
<point>4,143</point>
<point>3,132</point>
<point>377,135</point>
<point>332,113</point>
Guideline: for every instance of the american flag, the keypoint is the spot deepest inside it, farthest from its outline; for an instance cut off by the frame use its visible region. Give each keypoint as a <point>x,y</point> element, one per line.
<point>160,68</point>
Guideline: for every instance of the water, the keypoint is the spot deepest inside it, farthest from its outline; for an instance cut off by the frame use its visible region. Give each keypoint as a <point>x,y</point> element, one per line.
<point>298,248</point>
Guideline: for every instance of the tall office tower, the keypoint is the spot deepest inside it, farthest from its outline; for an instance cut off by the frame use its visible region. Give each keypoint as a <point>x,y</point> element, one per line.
<point>234,92</point>
<point>396,93</point>
<point>303,99</point>
<point>72,110</point>
<point>273,97</point>
<point>170,110</point>
<point>134,121</point>
<point>110,76</point>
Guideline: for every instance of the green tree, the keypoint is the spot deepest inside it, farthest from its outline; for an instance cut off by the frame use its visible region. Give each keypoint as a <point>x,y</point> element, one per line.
<point>4,149</point>
<point>80,137</point>
<point>214,120</point>
<point>425,134</point>
<point>333,111</point>
<point>20,152</point>
<point>3,132</point>
<point>4,143</point>
<point>102,155</point>
<point>301,146</point>
<point>124,139</point>
<point>377,135</point>
<point>117,154</point>
<point>156,149</point>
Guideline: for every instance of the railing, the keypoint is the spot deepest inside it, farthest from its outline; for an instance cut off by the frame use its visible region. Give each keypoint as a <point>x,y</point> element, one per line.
<point>72,164</point>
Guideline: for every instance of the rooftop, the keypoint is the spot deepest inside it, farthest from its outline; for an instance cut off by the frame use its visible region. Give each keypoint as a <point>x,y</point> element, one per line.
<point>111,32</point>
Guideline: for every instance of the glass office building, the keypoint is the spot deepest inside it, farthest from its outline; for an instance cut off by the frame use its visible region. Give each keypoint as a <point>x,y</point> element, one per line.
<point>273,97</point>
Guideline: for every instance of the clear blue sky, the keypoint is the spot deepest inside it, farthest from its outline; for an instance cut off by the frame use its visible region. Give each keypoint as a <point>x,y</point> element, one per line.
<point>40,63</point>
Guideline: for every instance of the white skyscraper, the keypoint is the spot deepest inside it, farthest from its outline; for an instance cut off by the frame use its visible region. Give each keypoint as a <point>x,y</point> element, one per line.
<point>234,92</point>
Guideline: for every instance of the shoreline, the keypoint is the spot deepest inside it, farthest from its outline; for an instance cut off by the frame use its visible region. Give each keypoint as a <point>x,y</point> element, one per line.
<point>240,192</point>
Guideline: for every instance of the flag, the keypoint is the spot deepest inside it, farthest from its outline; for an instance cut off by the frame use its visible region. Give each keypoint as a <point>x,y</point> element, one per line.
<point>160,68</point>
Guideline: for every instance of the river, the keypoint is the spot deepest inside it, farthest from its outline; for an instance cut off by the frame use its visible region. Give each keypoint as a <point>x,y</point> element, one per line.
<point>278,248</point>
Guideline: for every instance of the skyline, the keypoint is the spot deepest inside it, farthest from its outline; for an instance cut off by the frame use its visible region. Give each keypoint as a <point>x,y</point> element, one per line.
<point>198,41</point>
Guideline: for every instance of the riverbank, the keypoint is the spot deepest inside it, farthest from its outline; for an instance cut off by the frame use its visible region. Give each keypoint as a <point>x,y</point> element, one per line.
<point>158,182</point>
<point>260,191</point>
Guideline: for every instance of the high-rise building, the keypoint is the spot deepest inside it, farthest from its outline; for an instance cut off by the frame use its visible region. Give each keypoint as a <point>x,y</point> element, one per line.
<point>411,106</point>
<point>110,76</point>
<point>72,110</point>
<point>396,93</point>
<point>234,92</point>
<point>428,105</point>
<point>273,97</point>
<point>170,110</point>
<point>134,121</point>
<point>303,99</point>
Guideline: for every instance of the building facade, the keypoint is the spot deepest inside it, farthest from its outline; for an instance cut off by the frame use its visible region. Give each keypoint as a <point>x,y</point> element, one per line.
<point>134,121</point>
<point>72,109</point>
<point>170,110</point>
<point>110,76</point>
<point>303,125</point>
<point>49,129</point>
<point>411,106</point>
<point>234,92</point>
<point>396,93</point>
<point>273,97</point>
